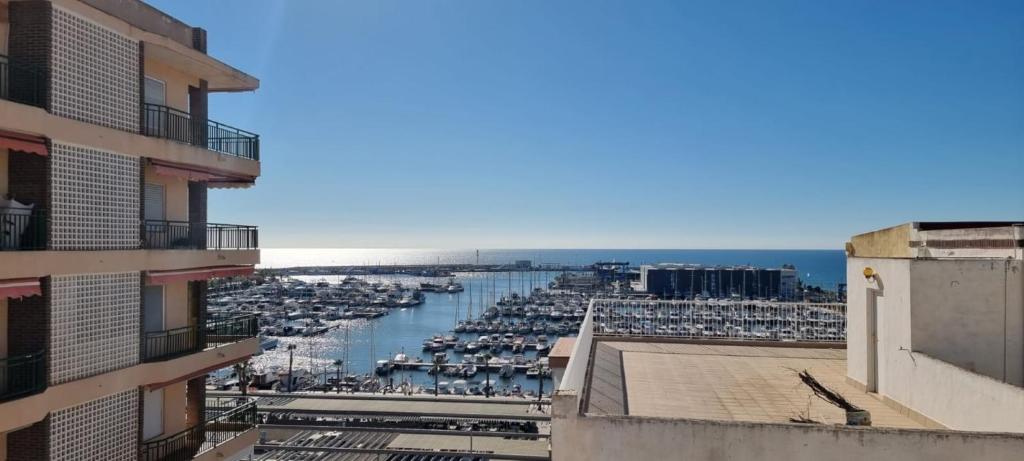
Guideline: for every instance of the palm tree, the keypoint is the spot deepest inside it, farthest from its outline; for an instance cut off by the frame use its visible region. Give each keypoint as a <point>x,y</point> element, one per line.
<point>337,366</point>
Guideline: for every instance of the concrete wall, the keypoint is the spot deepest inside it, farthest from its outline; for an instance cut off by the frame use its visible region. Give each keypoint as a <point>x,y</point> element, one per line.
<point>593,438</point>
<point>175,194</point>
<point>176,82</point>
<point>970,313</point>
<point>893,325</point>
<point>919,305</point>
<point>28,410</point>
<point>23,264</point>
<point>176,305</point>
<point>174,408</point>
<point>35,121</point>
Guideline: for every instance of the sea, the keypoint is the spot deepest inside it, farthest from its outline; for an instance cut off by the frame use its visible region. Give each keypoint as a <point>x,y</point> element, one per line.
<point>404,329</point>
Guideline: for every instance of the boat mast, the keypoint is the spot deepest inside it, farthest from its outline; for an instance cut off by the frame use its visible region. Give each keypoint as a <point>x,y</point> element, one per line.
<point>469,310</point>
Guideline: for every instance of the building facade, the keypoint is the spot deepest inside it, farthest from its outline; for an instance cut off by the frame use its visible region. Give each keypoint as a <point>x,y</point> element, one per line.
<point>690,281</point>
<point>106,156</point>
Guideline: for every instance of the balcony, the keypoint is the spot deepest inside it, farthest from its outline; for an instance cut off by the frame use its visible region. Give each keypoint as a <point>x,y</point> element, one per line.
<point>231,329</point>
<point>169,123</point>
<point>22,229</point>
<point>220,427</point>
<point>22,375</point>
<point>21,84</point>
<point>169,344</point>
<point>183,235</point>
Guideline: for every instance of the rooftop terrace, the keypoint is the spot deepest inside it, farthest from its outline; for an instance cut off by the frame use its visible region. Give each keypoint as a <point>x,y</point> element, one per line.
<point>725,383</point>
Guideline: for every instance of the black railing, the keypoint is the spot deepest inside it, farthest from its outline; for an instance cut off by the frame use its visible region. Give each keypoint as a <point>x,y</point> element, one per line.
<point>186,444</point>
<point>169,123</point>
<point>21,84</point>
<point>22,229</point>
<point>22,375</point>
<point>168,344</point>
<point>231,237</point>
<point>231,330</point>
<point>166,235</point>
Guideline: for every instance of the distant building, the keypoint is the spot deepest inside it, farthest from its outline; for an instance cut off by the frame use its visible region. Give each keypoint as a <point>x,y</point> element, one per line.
<point>932,367</point>
<point>689,281</point>
<point>524,264</point>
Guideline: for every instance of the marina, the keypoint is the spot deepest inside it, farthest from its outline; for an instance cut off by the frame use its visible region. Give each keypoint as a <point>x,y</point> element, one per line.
<point>378,333</point>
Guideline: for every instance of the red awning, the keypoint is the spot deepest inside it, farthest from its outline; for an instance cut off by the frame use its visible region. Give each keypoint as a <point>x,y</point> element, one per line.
<point>17,288</point>
<point>194,173</point>
<point>23,143</point>
<point>190,175</point>
<point>202,273</point>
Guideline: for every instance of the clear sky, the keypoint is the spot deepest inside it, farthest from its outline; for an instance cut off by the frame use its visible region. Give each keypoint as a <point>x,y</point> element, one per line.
<point>618,124</point>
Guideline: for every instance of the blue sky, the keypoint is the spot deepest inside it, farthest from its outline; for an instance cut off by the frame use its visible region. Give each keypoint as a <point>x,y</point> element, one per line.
<point>618,124</point>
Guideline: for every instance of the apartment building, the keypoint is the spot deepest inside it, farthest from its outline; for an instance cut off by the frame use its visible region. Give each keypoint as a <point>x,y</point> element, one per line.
<point>931,367</point>
<point>107,152</point>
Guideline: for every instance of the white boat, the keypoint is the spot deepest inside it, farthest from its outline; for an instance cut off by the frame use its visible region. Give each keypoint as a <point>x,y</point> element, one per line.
<point>459,387</point>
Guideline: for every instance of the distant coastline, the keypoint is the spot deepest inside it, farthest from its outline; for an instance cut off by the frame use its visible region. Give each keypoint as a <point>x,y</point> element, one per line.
<point>825,268</point>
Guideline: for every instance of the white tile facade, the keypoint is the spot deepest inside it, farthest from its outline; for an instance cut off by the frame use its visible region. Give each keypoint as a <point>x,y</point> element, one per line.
<point>95,73</point>
<point>94,321</point>
<point>103,429</point>
<point>95,199</point>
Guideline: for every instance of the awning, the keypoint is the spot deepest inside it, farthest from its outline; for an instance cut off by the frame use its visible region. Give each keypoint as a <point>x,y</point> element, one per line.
<point>17,288</point>
<point>23,143</point>
<point>193,173</point>
<point>202,273</point>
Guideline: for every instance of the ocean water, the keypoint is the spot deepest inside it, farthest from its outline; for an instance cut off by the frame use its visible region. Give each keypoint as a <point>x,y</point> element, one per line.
<point>824,268</point>
<point>405,329</point>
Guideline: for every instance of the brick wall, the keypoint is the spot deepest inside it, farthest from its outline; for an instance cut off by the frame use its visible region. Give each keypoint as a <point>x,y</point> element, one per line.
<point>199,39</point>
<point>198,106</point>
<point>195,401</point>
<point>30,42</point>
<point>197,305</point>
<point>30,443</point>
<point>197,211</point>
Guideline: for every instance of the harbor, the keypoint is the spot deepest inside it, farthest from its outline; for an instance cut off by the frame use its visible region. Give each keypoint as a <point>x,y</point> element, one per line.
<point>404,334</point>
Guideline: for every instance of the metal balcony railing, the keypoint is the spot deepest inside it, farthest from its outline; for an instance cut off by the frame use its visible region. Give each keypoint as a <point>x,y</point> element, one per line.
<point>721,319</point>
<point>22,375</point>
<point>169,123</point>
<point>231,329</point>
<point>167,235</point>
<point>21,229</point>
<point>21,84</point>
<point>169,344</point>
<point>200,438</point>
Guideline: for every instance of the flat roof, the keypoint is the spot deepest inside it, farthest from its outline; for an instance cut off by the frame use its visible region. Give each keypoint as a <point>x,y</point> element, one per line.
<point>471,407</point>
<point>725,383</point>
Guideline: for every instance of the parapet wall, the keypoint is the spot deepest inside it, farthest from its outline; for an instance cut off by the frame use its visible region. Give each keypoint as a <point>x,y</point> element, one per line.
<point>593,438</point>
